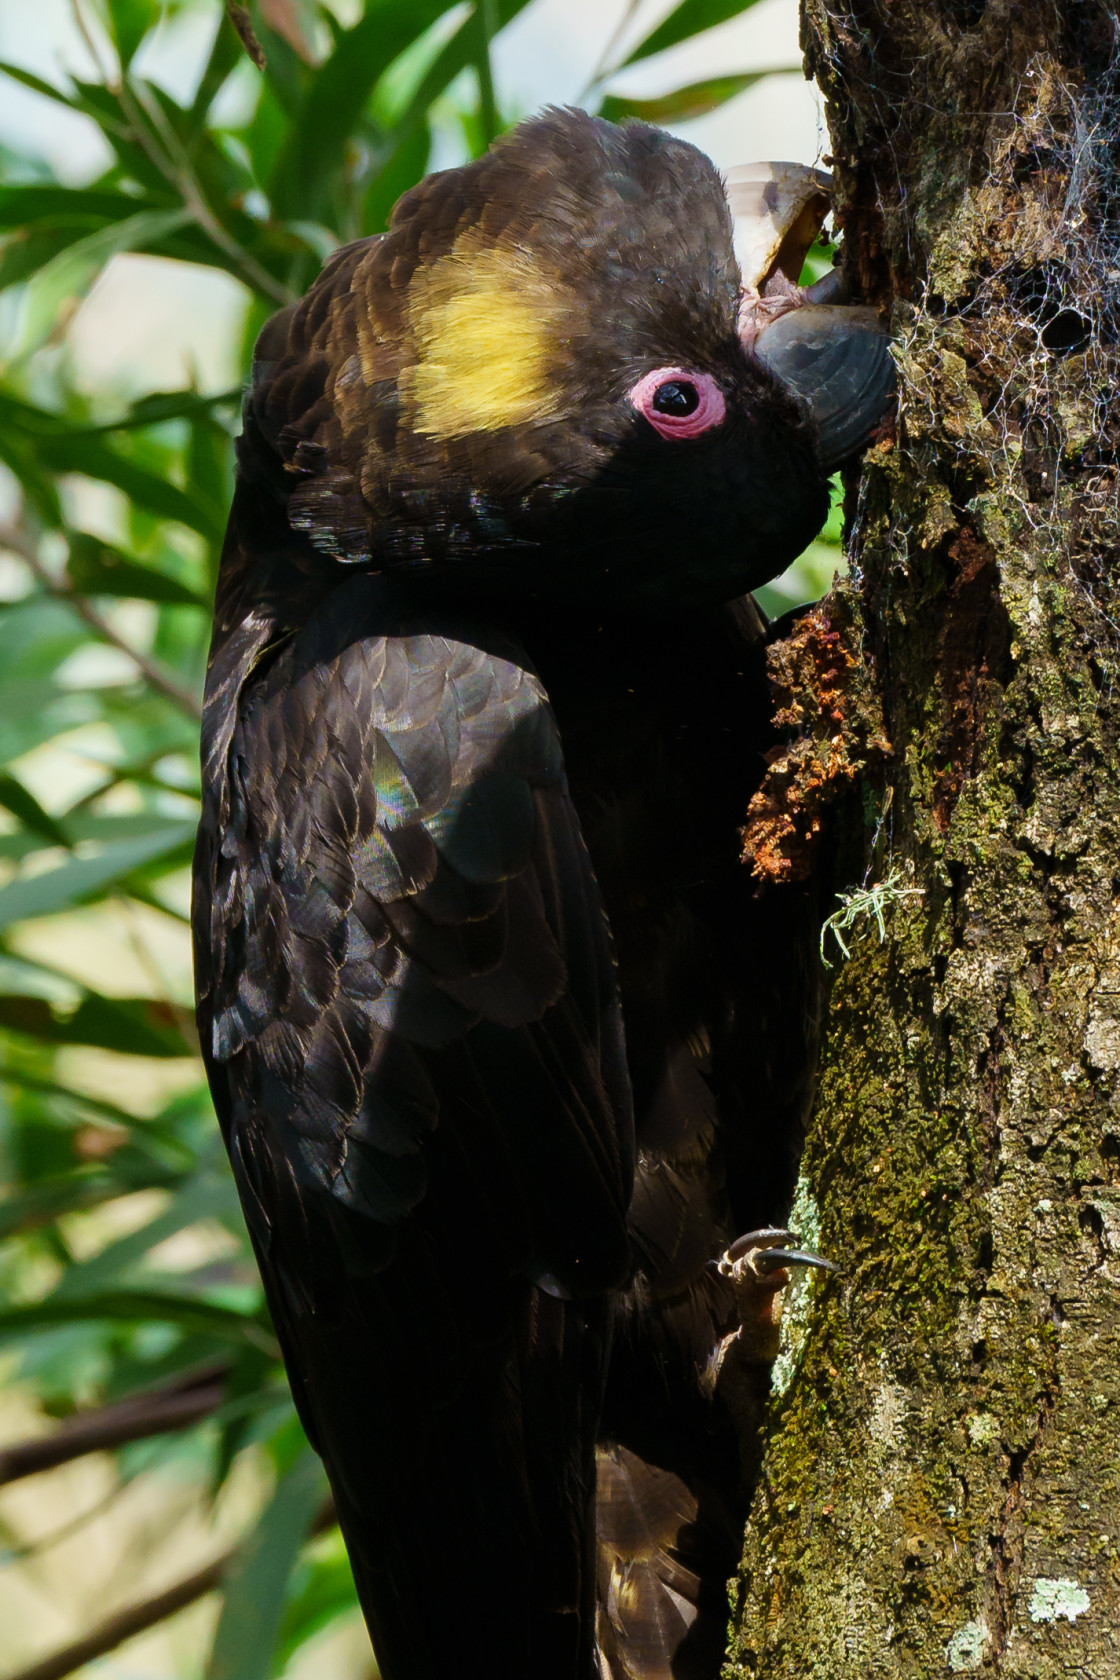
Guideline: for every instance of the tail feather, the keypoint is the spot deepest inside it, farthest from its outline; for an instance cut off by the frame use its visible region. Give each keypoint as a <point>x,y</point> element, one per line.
<point>663,1555</point>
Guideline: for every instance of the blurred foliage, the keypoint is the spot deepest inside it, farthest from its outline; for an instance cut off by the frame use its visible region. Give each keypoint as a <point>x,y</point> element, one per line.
<point>124,1265</point>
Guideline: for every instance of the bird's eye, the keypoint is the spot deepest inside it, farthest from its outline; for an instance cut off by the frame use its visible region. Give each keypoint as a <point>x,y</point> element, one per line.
<point>678,403</point>
<point>677,397</point>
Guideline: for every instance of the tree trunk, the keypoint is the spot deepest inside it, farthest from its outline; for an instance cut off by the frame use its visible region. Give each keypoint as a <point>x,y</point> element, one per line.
<point>941,1487</point>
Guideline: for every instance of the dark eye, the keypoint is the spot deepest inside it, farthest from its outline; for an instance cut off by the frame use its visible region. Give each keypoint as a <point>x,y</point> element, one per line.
<point>678,402</point>
<point>677,397</point>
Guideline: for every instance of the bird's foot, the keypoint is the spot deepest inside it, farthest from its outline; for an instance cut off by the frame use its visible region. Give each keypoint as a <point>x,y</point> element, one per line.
<point>757,1267</point>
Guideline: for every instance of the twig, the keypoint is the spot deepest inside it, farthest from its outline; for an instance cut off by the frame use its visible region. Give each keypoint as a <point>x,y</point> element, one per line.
<point>158,1411</point>
<point>174,165</point>
<point>602,65</point>
<point>154,674</point>
<point>137,1618</point>
<point>243,28</point>
<point>90,44</point>
<point>127,1623</point>
<point>56,1536</point>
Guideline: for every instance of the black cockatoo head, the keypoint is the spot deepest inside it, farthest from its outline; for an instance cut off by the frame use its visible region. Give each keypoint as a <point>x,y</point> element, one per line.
<point>536,382</point>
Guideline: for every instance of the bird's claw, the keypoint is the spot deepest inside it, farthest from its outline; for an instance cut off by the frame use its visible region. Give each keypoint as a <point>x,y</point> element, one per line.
<point>757,1267</point>
<point>766,1252</point>
<point>758,1262</point>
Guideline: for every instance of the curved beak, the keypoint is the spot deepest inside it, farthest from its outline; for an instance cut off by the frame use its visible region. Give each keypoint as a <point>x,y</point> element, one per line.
<point>831,353</point>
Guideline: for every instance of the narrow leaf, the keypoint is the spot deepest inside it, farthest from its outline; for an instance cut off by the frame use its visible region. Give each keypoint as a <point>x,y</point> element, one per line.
<point>82,453</point>
<point>690,18</point>
<point>684,103</point>
<point>326,1592</point>
<point>130,1026</point>
<point>204,1196</point>
<point>25,202</point>
<point>135,1306</point>
<point>38,85</point>
<point>81,878</point>
<point>256,1584</point>
<point>49,1199</point>
<point>131,21</point>
<point>337,97</point>
<point>70,274</point>
<point>14,797</point>
<point>97,568</point>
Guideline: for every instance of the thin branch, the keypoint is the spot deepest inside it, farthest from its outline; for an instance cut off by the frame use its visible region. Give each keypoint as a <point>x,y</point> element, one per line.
<point>127,1623</point>
<point>32,1549</point>
<point>157,1411</point>
<point>155,674</point>
<point>174,165</point>
<point>602,64</point>
<point>243,28</point>
<point>90,44</point>
<point>138,1618</point>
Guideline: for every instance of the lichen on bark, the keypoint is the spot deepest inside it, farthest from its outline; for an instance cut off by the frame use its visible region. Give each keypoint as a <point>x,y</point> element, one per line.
<point>941,1487</point>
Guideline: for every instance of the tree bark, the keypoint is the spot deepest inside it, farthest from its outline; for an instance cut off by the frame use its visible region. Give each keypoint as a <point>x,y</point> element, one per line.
<point>941,1487</point>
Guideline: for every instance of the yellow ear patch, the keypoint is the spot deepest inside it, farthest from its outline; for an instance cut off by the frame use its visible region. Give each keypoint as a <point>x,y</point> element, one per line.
<point>484,326</point>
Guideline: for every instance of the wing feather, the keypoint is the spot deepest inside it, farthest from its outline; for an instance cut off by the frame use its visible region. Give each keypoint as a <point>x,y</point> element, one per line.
<point>412,1029</point>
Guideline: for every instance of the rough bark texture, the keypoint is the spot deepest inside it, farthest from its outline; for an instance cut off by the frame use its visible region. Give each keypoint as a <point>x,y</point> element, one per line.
<point>941,1491</point>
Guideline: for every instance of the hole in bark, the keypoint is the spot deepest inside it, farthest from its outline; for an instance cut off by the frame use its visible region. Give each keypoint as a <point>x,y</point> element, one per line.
<point>967,13</point>
<point>1040,294</point>
<point>979,1352</point>
<point>1090,1220</point>
<point>1067,332</point>
<point>1110,1156</point>
<point>986,1252</point>
<point>1036,290</point>
<point>1033,161</point>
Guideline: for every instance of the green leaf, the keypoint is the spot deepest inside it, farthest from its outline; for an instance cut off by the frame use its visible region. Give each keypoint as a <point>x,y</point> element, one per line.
<point>325,1592</point>
<point>46,201</point>
<point>70,274</point>
<point>97,568</point>
<point>256,1585</point>
<point>14,797</point>
<point>224,55</point>
<point>486,27</point>
<point>38,85</point>
<point>204,1196</point>
<point>83,453</point>
<point>157,407</point>
<point>136,1306</point>
<point>336,98</point>
<point>401,168</point>
<point>51,1198</point>
<point>690,18</point>
<point>82,878</point>
<point>130,1026</point>
<point>684,103</point>
<point>130,21</point>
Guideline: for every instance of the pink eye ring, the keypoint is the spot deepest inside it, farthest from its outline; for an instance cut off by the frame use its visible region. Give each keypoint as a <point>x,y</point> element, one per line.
<point>677,402</point>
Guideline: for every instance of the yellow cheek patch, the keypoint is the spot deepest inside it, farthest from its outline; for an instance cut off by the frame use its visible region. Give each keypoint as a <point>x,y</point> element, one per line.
<point>484,327</point>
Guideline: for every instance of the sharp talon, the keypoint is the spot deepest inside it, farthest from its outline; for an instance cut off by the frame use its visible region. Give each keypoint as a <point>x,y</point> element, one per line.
<point>773,1259</point>
<point>770,1236</point>
<point>770,1250</point>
